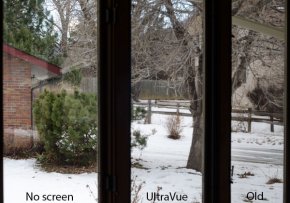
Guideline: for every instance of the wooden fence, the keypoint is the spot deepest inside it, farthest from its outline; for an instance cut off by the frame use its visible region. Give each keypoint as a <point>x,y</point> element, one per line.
<point>249,115</point>
<point>244,115</point>
<point>89,84</point>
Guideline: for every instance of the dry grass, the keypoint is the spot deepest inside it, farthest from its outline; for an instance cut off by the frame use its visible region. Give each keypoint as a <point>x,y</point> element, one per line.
<point>246,174</point>
<point>135,191</point>
<point>68,169</point>
<point>274,180</point>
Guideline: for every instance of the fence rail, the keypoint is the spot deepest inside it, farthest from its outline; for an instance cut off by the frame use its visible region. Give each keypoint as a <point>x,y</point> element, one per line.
<point>243,115</point>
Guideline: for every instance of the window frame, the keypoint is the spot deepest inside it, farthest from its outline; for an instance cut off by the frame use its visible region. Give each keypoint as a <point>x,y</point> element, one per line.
<point>115,108</point>
<point>1,103</point>
<point>217,101</point>
<point>115,103</point>
<point>286,182</point>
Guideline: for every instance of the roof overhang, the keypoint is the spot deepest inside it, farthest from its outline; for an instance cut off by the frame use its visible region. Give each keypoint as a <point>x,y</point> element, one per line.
<point>38,63</point>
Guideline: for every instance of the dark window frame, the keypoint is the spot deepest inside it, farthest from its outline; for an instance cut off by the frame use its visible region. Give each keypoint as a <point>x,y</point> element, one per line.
<point>217,101</point>
<point>1,114</point>
<point>286,186</point>
<point>114,103</point>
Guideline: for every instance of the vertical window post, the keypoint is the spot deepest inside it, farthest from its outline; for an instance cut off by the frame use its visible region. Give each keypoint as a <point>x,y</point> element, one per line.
<point>114,101</point>
<point>1,103</point>
<point>286,115</point>
<point>217,106</point>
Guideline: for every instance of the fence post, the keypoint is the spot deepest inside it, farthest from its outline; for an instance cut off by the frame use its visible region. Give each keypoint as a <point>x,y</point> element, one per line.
<point>249,120</point>
<point>149,112</point>
<point>272,122</point>
<point>177,111</point>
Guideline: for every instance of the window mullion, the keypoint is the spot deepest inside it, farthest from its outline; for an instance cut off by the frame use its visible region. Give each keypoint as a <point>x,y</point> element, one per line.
<point>217,105</point>
<point>114,101</point>
<point>286,116</point>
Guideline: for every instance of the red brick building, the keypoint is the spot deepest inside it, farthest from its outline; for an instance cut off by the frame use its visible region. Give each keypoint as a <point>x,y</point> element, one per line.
<point>20,70</point>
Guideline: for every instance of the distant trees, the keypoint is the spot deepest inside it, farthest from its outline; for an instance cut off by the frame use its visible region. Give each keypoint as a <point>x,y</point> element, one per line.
<point>68,38</point>
<point>27,26</point>
<point>167,44</point>
<point>258,59</point>
<point>78,33</point>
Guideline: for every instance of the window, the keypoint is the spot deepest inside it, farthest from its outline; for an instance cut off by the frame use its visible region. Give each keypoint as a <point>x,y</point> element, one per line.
<point>217,164</point>
<point>50,103</point>
<point>114,103</point>
<point>258,64</point>
<point>167,96</point>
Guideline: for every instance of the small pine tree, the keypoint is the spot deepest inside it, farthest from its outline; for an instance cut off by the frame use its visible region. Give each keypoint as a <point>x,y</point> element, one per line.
<point>138,140</point>
<point>67,125</point>
<point>138,113</point>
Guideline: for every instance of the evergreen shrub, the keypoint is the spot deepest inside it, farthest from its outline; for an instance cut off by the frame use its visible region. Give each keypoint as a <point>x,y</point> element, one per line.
<point>138,140</point>
<point>74,77</point>
<point>138,113</point>
<point>67,126</point>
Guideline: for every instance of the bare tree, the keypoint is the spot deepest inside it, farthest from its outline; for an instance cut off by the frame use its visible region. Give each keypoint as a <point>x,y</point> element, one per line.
<point>83,49</point>
<point>167,44</point>
<point>64,9</point>
<point>78,28</point>
<point>171,35</point>
<point>258,58</point>
<point>193,77</point>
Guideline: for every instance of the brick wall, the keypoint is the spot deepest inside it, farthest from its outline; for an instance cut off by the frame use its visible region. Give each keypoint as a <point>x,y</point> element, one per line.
<point>16,104</point>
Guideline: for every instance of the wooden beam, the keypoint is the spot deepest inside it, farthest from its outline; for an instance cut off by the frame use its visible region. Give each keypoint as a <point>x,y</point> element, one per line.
<point>259,27</point>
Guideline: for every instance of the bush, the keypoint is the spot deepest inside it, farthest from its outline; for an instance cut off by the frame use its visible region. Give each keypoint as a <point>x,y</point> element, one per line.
<point>138,113</point>
<point>138,140</point>
<point>74,77</point>
<point>67,126</point>
<point>136,190</point>
<point>173,126</point>
<point>274,178</point>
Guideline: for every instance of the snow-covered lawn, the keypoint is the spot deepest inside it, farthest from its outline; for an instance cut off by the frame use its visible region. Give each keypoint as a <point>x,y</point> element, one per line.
<point>165,159</point>
<point>24,176</point>
<point>162,164</point>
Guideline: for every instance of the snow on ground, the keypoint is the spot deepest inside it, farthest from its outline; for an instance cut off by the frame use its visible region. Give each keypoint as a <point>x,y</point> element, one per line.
<point>171,156</point>
<point>23,176</point>
<point>260,136</point>
<point>165,160</point>
<point>161,164</point>
<point>272,193</point>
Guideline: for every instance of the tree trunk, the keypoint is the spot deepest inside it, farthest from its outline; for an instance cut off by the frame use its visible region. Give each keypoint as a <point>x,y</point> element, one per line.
<point>195,155</point>
<point>240,74</point>
<point>64,11</point>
